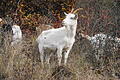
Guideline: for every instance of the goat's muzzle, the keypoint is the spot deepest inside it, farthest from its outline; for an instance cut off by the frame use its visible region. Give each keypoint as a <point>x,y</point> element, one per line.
<point>63,23</point>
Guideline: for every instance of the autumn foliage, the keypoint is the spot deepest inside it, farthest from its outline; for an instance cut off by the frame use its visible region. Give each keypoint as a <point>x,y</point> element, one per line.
<point>96,17</point>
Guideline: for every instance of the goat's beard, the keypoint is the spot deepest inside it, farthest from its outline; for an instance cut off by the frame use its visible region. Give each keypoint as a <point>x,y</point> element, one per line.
<point>63,25</point>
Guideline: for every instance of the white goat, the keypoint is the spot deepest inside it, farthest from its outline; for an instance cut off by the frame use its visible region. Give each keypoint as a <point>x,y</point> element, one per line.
<point>99,40</point>
<point>60,38</point>
<point>17,34</point>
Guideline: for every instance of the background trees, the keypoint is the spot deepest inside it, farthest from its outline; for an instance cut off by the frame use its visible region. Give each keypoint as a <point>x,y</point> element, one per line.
<point>100,14</point>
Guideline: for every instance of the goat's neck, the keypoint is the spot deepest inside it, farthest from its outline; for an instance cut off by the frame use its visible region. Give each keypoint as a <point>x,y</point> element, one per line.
<point>71,31</point>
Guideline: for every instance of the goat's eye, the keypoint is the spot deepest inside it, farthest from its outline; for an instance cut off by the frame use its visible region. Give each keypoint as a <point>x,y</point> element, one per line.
<point>72,18</point>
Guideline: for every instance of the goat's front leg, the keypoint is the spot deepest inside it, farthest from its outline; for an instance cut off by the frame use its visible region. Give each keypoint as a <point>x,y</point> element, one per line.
<point>66,54</point>
<point>59,53</point>
<point>48,57</point>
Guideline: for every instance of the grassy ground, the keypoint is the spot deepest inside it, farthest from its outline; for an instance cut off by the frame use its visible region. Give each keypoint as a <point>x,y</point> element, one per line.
<point>21,62</point>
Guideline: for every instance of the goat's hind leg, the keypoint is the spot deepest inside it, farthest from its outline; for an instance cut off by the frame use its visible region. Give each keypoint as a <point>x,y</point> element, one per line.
<point>41,50</point>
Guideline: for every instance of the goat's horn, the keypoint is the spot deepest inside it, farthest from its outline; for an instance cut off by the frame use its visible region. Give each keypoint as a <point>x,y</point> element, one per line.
<point>72,10</point>
<point>77,10</point>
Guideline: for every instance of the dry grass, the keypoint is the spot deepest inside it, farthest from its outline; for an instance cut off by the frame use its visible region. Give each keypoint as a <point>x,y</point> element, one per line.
<point>21,62</point>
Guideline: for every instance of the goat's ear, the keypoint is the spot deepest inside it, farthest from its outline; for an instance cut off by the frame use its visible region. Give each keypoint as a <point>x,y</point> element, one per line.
<point>65,13</point>
<point>76,15</point>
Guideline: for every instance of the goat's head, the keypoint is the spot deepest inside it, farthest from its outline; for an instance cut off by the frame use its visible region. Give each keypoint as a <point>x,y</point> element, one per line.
<point>71,18</point>
<point>16,27</point>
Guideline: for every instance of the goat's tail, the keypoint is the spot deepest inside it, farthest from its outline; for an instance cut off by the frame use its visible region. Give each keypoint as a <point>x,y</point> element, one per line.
<point>38,39</point>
